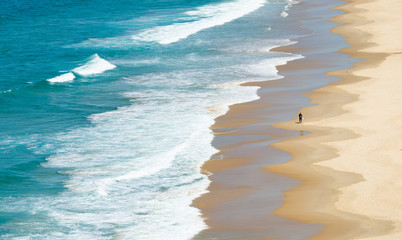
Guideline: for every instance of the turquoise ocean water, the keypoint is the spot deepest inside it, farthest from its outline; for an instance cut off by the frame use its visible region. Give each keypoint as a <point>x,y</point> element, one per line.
<point>105,109</point>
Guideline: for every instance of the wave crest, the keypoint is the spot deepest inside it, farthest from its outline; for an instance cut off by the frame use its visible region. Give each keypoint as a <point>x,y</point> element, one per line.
<point>95,65</point>
<point>66,77</point>
<point>209,16</point>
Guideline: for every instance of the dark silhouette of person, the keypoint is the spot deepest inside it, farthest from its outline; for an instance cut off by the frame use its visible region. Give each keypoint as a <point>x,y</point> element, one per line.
<point>300,118</point>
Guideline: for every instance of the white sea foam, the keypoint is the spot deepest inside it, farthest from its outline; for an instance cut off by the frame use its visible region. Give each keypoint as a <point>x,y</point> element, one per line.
<point>266,69</point>
<point>66,77</point>
<point>95,65</point>
<point>134,173</point>
<point>140,157</point>
<point>143,62</point>
<point>208,16</point>
<point>145,157</point>
<point>285,11</point>
<point>201,18</point>
<point>284,14</point>
<point>258,46</point>
<point>261,71</point>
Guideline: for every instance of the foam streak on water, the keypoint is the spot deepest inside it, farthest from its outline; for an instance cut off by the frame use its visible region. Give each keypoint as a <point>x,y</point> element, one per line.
<point>208,16</point>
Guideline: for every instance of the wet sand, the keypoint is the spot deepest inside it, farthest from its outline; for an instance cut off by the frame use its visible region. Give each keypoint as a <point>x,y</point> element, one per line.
<point>350,164</point>
<point>243,195</point>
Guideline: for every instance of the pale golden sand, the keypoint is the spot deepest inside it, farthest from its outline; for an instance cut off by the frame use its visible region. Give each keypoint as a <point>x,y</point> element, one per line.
<point>351,163</point>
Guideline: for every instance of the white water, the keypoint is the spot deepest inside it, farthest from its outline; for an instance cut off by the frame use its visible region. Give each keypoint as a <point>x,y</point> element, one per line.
<point>66,77</point>
<point>135,171</point>
<point>207,16</point>
<point>94,65</point>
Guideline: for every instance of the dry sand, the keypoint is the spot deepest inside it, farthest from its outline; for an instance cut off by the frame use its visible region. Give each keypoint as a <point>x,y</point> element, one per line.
<point>351,163</point>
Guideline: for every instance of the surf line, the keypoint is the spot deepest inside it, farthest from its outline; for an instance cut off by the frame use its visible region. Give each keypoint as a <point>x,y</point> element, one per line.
<point>217,133</point>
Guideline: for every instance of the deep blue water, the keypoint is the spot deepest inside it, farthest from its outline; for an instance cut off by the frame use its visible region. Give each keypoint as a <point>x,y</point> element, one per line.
<point>105,108</point>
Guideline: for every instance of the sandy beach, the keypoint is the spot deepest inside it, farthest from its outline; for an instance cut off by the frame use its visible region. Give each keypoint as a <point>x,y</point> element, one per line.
<point>350,163</point>
<point>342,178</point>
<point>243,196</point>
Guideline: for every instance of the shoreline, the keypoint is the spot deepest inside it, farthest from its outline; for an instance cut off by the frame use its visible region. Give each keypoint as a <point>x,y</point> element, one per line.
<point>241,189</point>
<point>344,185</point>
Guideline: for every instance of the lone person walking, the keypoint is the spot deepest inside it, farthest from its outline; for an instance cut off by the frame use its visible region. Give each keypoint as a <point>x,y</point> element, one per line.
<point>300,118</point>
